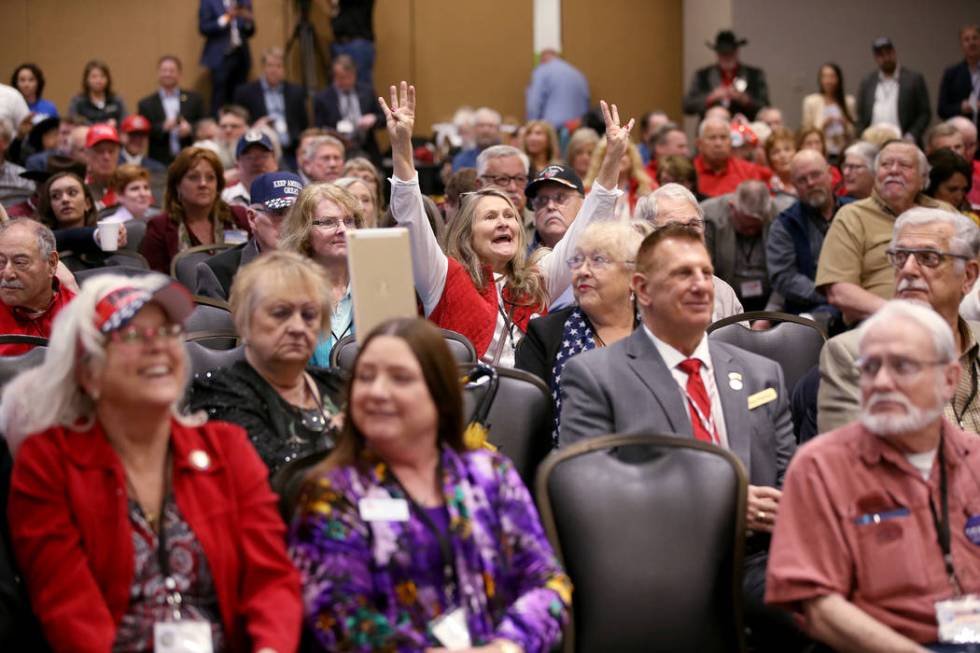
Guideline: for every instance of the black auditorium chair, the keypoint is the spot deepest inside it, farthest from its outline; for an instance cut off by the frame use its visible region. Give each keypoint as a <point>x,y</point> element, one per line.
<point>204,358</point>
<point>211,317</point>
<point>11,366</point>
<point>651,530</point>
<point>794,343</point>
<point>183,266</point>
<point>345,351</point>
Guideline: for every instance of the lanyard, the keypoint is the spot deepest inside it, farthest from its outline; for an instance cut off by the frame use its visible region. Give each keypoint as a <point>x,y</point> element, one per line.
<point>445,546</point>
<point>942,527</point>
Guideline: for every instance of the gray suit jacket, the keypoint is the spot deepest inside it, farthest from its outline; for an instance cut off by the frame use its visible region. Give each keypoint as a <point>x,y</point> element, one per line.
<point>627,388</point>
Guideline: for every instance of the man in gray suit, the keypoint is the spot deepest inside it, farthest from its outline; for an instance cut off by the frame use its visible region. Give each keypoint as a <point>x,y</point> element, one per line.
<point>893,94</point>
<point>731,397</point>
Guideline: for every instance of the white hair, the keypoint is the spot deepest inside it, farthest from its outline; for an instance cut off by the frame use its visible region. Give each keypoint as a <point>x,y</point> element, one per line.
<point>920,314</point>
<point>863,149</point>
<point>963,125</point>
<point>50,394</point>
<point>646,206</point>
<point>486,113</point>
<point>6,130</point>
<point>499,152</point>
<point>752,197</point>
<point>919,155</point>
<point>464,117</point>
<point>713,121</point>
<point>965,240</point>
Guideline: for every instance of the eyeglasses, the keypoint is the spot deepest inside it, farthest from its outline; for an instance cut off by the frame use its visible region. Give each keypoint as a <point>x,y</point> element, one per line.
<point>929,258</point>
<point>541,201</point>
<point>596,261</point>
<point>853,166</point>
<point>505,180</point>
<point>332,224</point>
<point>693,223</point>
<point>900,367</point>
<point>132,334</point>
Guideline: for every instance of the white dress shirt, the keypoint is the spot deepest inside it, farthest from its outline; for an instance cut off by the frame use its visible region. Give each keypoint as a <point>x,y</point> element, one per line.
<point>672,358</point>
<point>886,100</point>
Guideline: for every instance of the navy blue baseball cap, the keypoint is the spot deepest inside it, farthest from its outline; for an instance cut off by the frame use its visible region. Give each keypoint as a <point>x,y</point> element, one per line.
<point>276,190</point>
<point>250,138</point>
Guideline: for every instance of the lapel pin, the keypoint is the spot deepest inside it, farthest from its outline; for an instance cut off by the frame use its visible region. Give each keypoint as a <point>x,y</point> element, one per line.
<point>734,380</point>
<point>200,459</point>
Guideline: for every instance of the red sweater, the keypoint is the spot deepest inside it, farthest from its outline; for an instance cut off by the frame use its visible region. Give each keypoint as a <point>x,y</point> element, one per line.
<point>465,309</point>
<point>161,243</point>
<point>736,171</point>
<point>73,539</point>
<point>15,321</point>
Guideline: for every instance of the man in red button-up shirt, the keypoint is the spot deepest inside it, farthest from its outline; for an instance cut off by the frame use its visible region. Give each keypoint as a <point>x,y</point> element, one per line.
<point>720,172</point>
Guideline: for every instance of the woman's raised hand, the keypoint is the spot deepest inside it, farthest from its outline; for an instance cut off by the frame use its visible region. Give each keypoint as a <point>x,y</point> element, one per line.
<point>617,136</point>
<point>400,114</point>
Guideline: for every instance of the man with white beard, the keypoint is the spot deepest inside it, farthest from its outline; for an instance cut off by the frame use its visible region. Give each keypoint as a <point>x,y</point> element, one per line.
<point>934,255</point>
<point>879,519</point>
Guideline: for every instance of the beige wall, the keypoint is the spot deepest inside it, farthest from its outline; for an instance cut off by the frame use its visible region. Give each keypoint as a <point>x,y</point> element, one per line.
<point>456,51</point>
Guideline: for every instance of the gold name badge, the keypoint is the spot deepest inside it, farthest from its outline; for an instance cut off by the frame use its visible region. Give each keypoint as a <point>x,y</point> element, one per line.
<point>762,398</point>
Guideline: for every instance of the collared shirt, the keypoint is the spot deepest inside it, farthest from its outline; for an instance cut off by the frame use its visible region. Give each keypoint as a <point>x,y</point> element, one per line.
<point>736,171</point>
<point>275,108</point>
<point>854,520</point>
<point>349,105</point>
<point>17,320</point>
<point>672,358</point>
<point>236,194</point>
<point>341,325</point>
<point>854,248</point>
<point>171,109</point>
<point>558,92</point>
<point>964,409</point>
<point>885,108</point>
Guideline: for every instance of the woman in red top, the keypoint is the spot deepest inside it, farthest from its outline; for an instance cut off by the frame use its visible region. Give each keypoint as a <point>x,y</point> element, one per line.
<point>121,509</point>
<point>193,211</point>
<point>487,288</point>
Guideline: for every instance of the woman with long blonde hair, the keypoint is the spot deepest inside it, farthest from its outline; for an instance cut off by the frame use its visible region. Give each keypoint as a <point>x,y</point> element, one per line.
<point>484,286</point>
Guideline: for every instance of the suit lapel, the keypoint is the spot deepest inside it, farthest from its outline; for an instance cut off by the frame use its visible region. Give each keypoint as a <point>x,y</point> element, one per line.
<point>646,363</point>
<point>734,404</point>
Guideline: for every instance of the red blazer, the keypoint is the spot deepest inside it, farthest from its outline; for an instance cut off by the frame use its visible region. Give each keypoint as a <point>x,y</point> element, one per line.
<point>72,536</point>
<point>160,243</point>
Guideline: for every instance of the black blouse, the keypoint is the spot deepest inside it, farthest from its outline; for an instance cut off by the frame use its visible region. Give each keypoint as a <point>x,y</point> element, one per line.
<point>280,431</point>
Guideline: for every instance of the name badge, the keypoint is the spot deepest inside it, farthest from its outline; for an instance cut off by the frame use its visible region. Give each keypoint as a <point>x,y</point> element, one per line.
<point>182,637</point>
<point>959,620</point>
<point>972,529</point>
<point>751,288</point>
<point>235,236</point>
<point>451,630</point>
<point>383,509</point>
<point>345,127</point>
<point>762,398</point>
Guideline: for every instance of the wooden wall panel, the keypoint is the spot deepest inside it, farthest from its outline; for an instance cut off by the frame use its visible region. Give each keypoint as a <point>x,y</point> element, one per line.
<point>631,52</point>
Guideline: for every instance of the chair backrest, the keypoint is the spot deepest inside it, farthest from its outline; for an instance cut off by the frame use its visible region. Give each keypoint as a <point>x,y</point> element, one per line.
<point>289,479</point>
<point>345,351</point>
<point>520,417</point>
<point>794,343</point>
<point>81,276</point>
<point>212,316</point>
<point>204,359</point>
<point>183,266</point>
<point>653,543</point>
<point>11,366</point>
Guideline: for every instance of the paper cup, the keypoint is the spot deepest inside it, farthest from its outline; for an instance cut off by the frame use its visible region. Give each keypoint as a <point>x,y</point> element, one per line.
<point>109,235</point>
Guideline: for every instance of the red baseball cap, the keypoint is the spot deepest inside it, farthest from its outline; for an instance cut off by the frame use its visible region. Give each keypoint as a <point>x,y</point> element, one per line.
<point>101,132</point>
<point>135,123</point>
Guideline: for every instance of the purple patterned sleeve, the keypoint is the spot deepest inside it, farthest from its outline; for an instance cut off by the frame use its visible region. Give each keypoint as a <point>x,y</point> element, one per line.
<point>542,590</point>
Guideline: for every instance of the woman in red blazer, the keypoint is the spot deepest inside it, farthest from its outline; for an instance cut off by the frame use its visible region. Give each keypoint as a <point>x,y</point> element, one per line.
<point>121,509</point>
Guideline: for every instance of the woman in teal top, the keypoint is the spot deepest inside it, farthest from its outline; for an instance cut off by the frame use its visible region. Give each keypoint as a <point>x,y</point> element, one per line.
<point>317,227</point>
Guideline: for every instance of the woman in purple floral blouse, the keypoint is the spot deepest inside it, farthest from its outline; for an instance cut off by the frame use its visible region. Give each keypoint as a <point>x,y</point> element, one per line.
<point>407,541</point>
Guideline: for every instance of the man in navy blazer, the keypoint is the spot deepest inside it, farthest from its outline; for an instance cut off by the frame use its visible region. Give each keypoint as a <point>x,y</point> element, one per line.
<point>350,108</point>
<point>171,110</point>
<point>903,102</point>
<point>738,400</point>
<point>287,115</point>
<point>226,25</point>
<point>960,86</point>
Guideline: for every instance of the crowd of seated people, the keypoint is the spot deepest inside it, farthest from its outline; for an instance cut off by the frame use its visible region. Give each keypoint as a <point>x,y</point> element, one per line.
<point>142,499</point>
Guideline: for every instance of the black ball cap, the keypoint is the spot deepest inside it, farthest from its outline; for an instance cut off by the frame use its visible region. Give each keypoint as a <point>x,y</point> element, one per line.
<point>557,174</point>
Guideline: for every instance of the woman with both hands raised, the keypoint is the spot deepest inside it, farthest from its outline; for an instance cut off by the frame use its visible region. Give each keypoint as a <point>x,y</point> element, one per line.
<point>485,286</point>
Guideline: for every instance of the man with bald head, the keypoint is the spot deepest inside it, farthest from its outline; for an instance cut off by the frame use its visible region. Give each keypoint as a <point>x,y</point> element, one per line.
<point>796,236</point>
<point>853,269</point>
<point>720,172</point>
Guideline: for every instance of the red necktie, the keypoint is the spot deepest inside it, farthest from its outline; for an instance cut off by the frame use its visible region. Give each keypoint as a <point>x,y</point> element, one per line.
<point>697,395</point>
